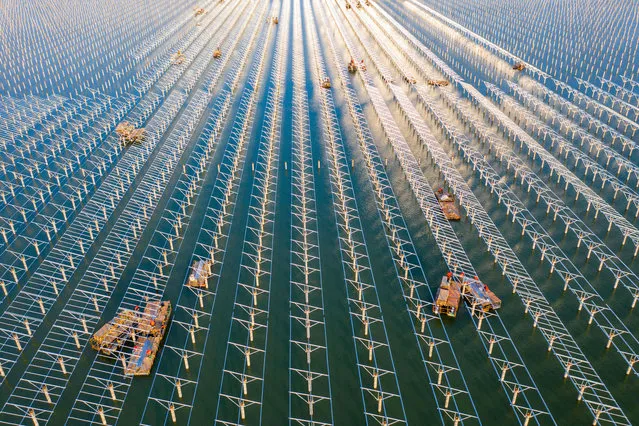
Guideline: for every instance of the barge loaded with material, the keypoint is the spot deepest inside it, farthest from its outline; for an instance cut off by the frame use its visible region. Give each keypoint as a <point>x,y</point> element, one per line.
<point>447,203</point>
<point>455,286</point>
<point>200,272</point>
<point>448,297</point>
<point>144,329</point>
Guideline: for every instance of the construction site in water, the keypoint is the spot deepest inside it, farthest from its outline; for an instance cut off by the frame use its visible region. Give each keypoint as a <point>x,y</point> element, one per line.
<point>319,212</point>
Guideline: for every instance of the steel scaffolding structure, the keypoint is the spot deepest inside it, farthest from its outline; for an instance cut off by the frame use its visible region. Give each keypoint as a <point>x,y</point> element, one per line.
<point>534,72</point>
<point>516,386</point>
<point>156,264</point>
<point>629,111</point>
<point>575,96</point>
<point>546,134</point>
<point>241,385</point>
<point>309,381</point>
<point>21,115</point>
<point>606,256</point>
<point>438,357</point>
<point>380,391</point>
<point>195,305</point>
<point>571,130</point>
<point>604,112</point>
<point>585,120</point>
<point>534,150</point>
<point>38,295</point>
<point>55,219</point>
<point>559,339</point>
<point>58,353</point>
<point>611,325</point>
<point>53,187</point>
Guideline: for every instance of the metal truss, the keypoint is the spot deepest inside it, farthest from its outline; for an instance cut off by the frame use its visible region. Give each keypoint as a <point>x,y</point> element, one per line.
<point>552,139</point>
<point>605,256</point>
<point>620,122</point>
<point>611,325</point>
<point>515,133</point>
<point>571,130</point>
<point>442,369</point>
<point>585,120</point>
<point>492,47</point>
<point>310,400</point>
<point>380,391</point>
<point>99,210</point>
<point>241,388</point>
<point>195,306</point>
<point>83,309</point>
<point>516,380</point>
<point>577,97</point>
<point>610,100</point>
<point>546,320</point>
<point>156,265</point>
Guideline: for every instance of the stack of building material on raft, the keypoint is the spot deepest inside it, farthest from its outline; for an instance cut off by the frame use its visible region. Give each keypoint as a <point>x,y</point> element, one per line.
<point>151,329</point>
<point>200,272</point>
<point>129,133</point>
<point>178,58</point>
<point>478,293</point>
<point>448,297</point>
<point>144,329</point>
<point>447,203</point>
<point>519,66</point>
<point>438,83</point>
<point>112,335</point>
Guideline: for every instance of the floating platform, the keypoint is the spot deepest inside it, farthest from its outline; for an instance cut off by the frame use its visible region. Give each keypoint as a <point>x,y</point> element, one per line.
<point>152,328</point>
<point>478,294</point>
<point>112,335</point>
<point>438,83</point>
<point>448,297</point>
<point>129,134</point>
<point>408,78</point>
<point>200,272</point>
<point>447,203</point>
<point>178,58</point>
<point>142,358</point>
<point>145,329</point>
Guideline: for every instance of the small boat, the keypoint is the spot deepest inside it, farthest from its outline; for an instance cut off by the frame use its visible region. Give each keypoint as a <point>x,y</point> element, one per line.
<point>447,203</point>
<point>352,67</point>
<point>438,83</point>
<point>129,134</point>
<point>448,297</point>
<point>200,272</point>
<point>178,58</point>
<point>519,66</point>
<point>478,294</point>
<point>326,83</point>
<point>408,78</point>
